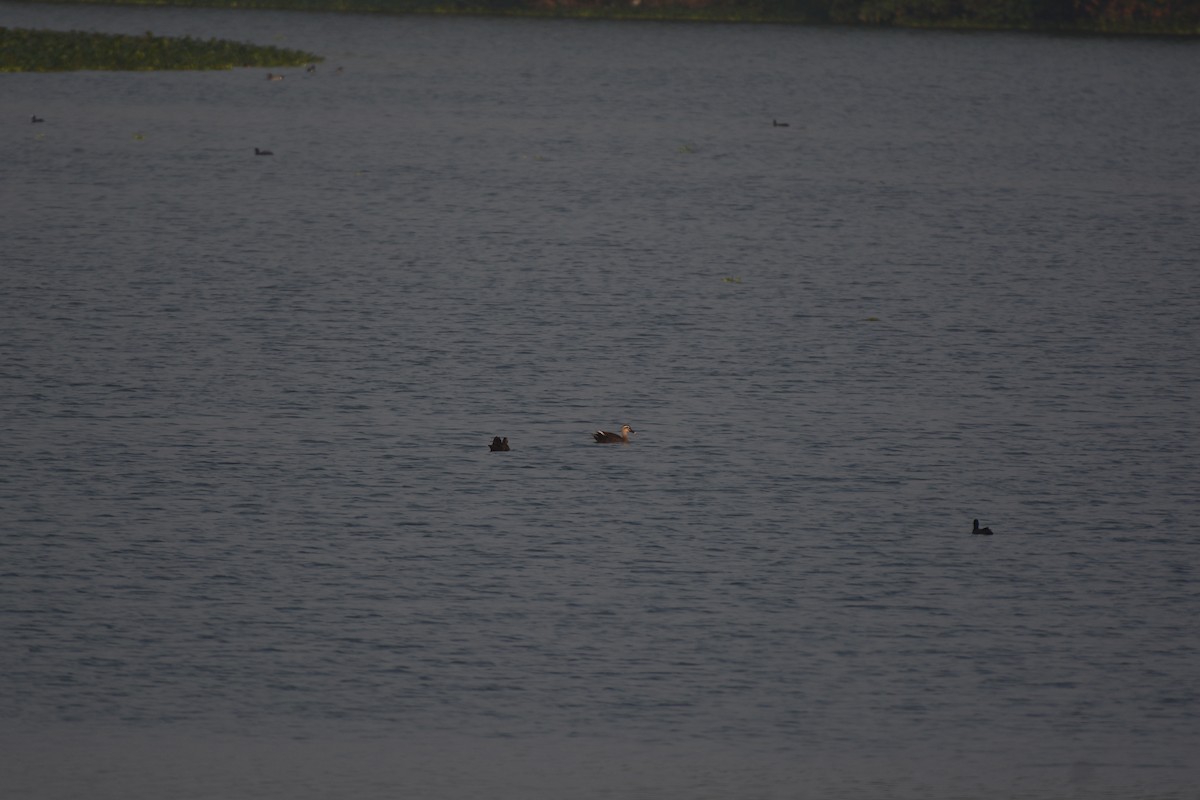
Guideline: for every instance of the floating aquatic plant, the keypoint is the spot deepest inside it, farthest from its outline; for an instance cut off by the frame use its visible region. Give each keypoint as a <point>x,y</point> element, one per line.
<point>24,50</point>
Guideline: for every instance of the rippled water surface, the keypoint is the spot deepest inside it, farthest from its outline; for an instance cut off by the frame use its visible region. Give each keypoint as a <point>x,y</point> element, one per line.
<point>254,544</point>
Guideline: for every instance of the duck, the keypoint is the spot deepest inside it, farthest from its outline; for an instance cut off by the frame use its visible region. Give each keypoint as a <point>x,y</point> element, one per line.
<point>608,437</point>
<point>499,444</point>
<point>36,119</point>
<point>271,76</point>
<point>982,531</point>
<point>258,152</point>
<point>777,124</point>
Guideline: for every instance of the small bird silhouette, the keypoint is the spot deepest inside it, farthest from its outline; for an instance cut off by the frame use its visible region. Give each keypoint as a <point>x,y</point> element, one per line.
<point>258,152</point>
<point>777,124</point>
<point>499,444</point>
<point>271,76</point>
<point>981,531</point>
<point>36,119</point>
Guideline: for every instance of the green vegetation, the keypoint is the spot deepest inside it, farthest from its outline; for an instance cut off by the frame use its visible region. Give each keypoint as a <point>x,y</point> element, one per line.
<point>1181,17</point>
<point>51,51</point>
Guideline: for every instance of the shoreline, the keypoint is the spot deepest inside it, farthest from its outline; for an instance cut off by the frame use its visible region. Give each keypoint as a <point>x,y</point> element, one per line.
<point>874,14</point>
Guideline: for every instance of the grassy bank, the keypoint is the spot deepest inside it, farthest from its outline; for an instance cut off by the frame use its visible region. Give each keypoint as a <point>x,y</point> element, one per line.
<point>1167,17</point>
<point>24,50</point>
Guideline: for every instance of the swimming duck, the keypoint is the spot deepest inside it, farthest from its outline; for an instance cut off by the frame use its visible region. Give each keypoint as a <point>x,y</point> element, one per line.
<point>36,119</point>
<point>499,444</point>
<point>983,531</point>
<point>258,152</point>
<point>777,124</point>
<point>608,437</point>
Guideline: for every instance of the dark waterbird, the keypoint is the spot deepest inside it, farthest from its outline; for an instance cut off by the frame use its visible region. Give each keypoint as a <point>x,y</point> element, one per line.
<point>777,124</point>
<point>258,152</point>
<point>499,444</point>
<point>36,119</point>
<point>981,531</point>
<point>608,437</point>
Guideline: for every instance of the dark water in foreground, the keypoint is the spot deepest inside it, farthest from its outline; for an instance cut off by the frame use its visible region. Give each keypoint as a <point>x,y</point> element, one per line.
<point>254,545</point>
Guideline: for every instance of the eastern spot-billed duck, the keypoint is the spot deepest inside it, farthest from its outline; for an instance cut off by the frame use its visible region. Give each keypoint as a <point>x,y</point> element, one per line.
<point>499,444</point>
<point>608,437</point>
<point>983,531</point>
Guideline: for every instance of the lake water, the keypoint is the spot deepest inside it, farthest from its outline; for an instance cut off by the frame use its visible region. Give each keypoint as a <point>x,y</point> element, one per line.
<point>254,544</point>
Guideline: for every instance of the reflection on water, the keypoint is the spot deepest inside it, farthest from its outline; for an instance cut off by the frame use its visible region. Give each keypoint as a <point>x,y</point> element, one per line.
<point>254,543</point>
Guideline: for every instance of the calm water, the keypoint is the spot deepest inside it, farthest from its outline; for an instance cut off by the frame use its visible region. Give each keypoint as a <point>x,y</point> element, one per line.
<point>253,542</point>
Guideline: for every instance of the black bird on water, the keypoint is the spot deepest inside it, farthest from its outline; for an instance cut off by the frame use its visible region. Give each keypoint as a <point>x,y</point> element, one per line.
<point>36,119</point>
<point>777,124</point>
<point>981,531</point>
<point>258,152</point>
<point>499,444</point>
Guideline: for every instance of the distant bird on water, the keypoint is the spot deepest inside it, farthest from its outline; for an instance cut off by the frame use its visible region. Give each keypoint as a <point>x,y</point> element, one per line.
<point>499,444</point>
<point>777,124</point>
<point>271,76</point>
<point>258,152</point>
<point>36,119</point>
<point>608,437</point>
<point>982,531</point>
